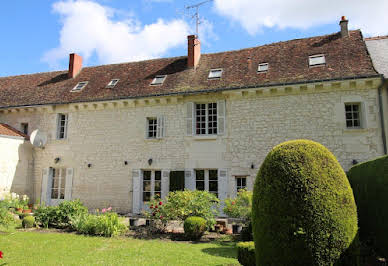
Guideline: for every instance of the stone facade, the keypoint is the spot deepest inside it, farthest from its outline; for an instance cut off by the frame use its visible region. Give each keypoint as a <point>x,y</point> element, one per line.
<point>102,136</point>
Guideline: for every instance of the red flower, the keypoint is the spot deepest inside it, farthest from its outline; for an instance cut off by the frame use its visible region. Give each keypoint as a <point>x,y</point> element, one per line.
<point>233,203</point>
<point>151,207</point>
<point>156,206</point>
<point>153,214</point>
<point>161,217</point>
<point>160,203</point>
<point>1,254</point>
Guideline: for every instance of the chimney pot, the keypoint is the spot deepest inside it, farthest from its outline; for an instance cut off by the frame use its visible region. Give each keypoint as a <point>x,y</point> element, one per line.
<point>75,65</point>
<point>344,27</point>
<point>193,51</point>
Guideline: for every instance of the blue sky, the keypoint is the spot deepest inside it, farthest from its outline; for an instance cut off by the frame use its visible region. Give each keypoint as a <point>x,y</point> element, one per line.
<point>37,36</point>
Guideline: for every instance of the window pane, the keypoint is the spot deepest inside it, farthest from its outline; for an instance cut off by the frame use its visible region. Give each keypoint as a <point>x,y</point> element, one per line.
<point>200,174</point>
<point>200,185</point>
<point>348,108</point>
<point>54,193</point>
<point>213,174</point>
<point>147,175</point>
<point>158,175</point>
<point>158,195</point>
<point>147,185</point>
<point>62,194</point>
<point>158,186</point>
<point>146,196</point>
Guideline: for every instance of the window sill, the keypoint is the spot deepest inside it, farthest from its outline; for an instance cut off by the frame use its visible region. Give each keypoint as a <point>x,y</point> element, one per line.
<point>355,130</point>
<point>205,137</point>
<point>153,139</point>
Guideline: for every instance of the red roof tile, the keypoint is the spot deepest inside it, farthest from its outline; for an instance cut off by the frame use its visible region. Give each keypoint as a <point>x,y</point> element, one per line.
<point>288,63</point>
<point>10,131</point>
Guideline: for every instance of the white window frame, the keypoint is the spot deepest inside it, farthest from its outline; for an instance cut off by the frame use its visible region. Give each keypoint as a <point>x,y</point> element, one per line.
<point>220,70</point>
<point>80,86</point>
<point>207,180</point>
<point>263,67</point>
<point>153,182</point>
<point>238,187</point>
<point>112,83</point>
<point>314,62</point>
<point>163,77</point>
<point>61,179</point>
<point>360,115</point>
<point>64,126</point>
<point>206,119</point>
<point>159,128</point>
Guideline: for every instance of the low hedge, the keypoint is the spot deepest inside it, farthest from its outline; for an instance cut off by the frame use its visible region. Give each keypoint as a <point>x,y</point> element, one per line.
<point>194,227</point>
<point>246,253</point>
<point>28,222</point>
<point>369,181</point>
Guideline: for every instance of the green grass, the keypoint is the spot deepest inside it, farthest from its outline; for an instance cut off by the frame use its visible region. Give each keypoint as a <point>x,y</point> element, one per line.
<point>33,248</point>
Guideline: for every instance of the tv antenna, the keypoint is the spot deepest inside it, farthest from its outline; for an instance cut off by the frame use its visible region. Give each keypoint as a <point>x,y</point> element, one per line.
<point>196,14</point>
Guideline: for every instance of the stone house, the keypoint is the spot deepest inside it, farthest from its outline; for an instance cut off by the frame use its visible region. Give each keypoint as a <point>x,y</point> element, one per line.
<point>120,134</point>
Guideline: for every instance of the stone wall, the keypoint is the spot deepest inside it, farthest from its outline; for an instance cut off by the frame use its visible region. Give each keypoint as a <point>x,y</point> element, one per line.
<point>105,135</point>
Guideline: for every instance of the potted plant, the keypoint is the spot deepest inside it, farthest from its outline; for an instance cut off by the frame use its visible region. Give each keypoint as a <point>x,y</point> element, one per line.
<point>19,207</point>
<point>26,209</point>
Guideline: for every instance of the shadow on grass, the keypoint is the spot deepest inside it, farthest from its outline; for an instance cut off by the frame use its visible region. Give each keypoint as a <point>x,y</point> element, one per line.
<point>226,250</point>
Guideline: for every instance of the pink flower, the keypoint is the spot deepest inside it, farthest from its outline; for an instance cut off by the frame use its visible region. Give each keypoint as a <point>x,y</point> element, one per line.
<point>103,210</point>
<point>109,209</point>
<point>161,217</point>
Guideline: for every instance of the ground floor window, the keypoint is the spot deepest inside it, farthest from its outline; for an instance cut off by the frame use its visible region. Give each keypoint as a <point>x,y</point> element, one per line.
<point>207,180</point>
<point>58,183</point>
<point>241,182</point>
<point>152,185</point>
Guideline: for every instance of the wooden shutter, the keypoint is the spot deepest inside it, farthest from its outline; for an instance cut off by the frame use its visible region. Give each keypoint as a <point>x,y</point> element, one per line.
<point>69,183</point>
<point>160,127</point>
<point>190,119</point>
<point>221,112</point>
<point>66,123</point>
<point>190,179</point>
<point>136,191</point>
<point>44,198</point>
<point>223,184</point>
<point>165,182</point>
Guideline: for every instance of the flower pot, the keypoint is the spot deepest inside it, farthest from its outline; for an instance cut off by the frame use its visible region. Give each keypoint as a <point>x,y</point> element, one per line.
<point>27,211</point>
<point>19,210</point>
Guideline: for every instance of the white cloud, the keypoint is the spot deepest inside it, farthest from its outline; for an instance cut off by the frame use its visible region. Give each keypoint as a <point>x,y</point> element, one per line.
<point>92,29</point>
<point>253,15</point>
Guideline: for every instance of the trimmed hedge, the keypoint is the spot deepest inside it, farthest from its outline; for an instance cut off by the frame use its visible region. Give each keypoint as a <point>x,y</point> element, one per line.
<point>194,227</point>
<point>28,222</point>
<point>369,181</point>
<point>304,211</point>
<point>246,253</point>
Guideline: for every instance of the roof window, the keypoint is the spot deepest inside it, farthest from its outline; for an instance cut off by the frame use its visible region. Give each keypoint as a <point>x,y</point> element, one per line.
<point>215,73</point>
<point>158,80</point>
<point>112,83</point>
<point>80,86</point>
<point>263,67</point>
<point>317,60</point>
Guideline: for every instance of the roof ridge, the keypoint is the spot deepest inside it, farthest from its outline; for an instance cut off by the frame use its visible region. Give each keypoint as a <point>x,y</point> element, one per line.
<point>14,130</point>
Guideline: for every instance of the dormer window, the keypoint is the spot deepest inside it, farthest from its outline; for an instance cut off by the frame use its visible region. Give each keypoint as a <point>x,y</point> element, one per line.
<point>317,60</point>
<point>112,83</point>
<point>263,67</point>
<point>158,80</point>
<point>215,73</point>
<point>80,86</point>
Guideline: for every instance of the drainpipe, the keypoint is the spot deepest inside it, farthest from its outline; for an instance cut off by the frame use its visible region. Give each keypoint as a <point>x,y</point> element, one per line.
<point>382,114</point>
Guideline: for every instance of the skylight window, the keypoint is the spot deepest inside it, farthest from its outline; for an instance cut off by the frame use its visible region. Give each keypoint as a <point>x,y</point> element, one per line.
<point>263,67</point>
<point>215,73</point>
<point>158,80</point>
<point>112,83</point>
<point>317,60</point>
<point>80,86</point>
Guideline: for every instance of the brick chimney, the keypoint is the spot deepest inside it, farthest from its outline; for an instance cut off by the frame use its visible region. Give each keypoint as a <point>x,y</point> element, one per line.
<point>75,65</point>
<point>193,51</point>
<point>344,27</point>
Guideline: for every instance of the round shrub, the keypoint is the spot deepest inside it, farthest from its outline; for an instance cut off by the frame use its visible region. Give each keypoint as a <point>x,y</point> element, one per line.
<point>303,210</point>
<point>194,227</point>
<point>28,222</point>
<point>246,253</point>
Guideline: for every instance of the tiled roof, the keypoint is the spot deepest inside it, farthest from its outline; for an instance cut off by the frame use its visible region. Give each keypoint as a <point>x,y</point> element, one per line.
<point>288,63</point>
<point>10,131</point>
<point>378,49</point>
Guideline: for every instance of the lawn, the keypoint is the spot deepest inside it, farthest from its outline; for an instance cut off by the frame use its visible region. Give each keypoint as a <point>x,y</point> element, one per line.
<point>38,248</point>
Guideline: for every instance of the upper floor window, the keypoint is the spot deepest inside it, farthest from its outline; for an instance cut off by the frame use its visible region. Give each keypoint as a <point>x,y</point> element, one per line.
<point>62,126</point>
<point>206,118</point>
<point>215,73</point>
<point>263,67</point>
<point>112,83</point>
<point>155,127</point>
<point>353,115</point>
<point>317,60</point>
<point>80,86</point>
<point>158,80</point>
<point>24,128</point>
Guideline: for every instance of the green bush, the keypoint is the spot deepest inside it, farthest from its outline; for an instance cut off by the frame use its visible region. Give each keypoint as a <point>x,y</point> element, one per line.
<point>241,206</point>
<point>106,224</point>
<point>6,218</point>
<point>59,216</point>
<point>303,211</point>
<point>369,181</point>
<point>194,227</point>
<point>28,222</point>
<point>246,253</point>
<point>179,205</point>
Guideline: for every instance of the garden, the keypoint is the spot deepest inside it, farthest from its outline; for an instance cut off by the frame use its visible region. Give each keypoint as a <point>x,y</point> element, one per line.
<point>304,210</point>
